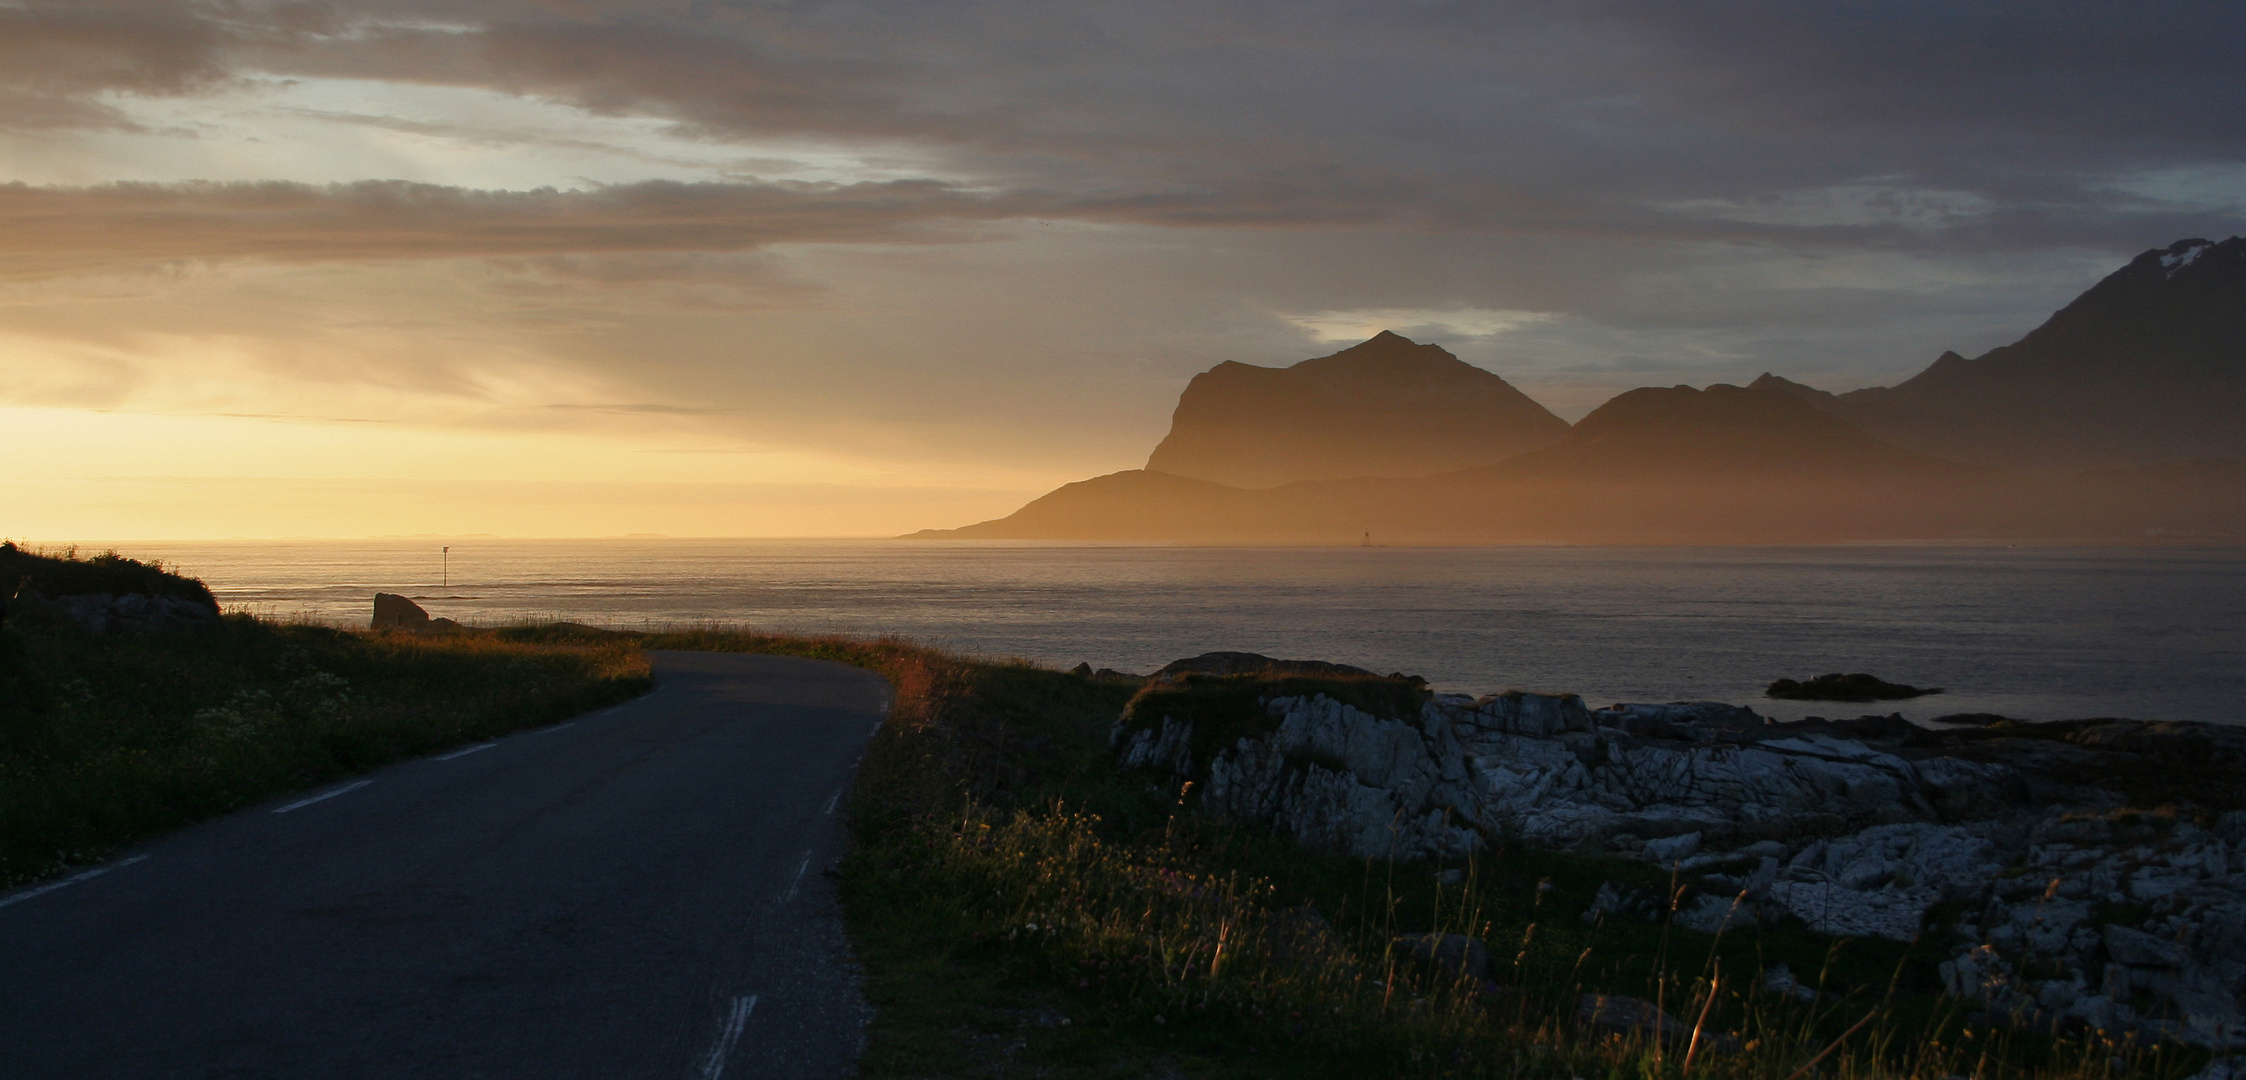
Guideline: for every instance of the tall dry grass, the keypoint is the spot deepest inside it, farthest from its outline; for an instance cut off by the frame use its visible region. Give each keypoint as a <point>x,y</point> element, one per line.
<point>1149,937</point>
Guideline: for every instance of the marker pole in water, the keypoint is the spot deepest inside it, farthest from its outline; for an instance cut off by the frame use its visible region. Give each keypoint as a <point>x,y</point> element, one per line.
<point>447,564</point>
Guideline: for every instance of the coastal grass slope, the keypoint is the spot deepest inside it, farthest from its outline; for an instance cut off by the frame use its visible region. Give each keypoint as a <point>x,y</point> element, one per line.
<point>110,739</point>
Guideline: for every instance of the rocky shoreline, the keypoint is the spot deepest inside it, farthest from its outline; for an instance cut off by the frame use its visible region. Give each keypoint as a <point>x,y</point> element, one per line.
<point>2081,874</point>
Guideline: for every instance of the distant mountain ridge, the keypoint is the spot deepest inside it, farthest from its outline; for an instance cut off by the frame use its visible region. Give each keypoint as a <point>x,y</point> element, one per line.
<point>1725,464</point>
<point>1388,407</point>
<point>2147,366</point>
<point>1721,432</point>
<point>2122,417</point>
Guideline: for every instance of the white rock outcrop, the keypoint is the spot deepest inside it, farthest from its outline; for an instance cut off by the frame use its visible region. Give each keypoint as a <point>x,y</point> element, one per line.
<point>2145,922</point>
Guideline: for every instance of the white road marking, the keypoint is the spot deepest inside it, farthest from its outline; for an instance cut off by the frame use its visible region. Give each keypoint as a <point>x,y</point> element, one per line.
<point>552,727</point>
<point>798,882</point>
<point>323,796</point>
<point>71,880</point>
<point>714,1066</point>
<point>465,753</point>
<point>831,802</point>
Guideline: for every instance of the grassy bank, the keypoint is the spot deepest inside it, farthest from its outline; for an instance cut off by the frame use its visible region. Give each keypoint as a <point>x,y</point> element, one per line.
<point>1024,909</point>
<point>106,740</point>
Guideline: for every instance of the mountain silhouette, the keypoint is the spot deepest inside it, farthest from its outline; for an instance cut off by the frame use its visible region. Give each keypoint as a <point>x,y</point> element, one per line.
<point>1663,465</point>
<point>2121,419</point>
<point>1721,434</point>
<point>1387,407</point>
<point>2147,366</point>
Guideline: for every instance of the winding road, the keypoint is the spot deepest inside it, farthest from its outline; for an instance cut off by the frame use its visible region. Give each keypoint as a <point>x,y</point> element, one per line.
<point>633,893</point>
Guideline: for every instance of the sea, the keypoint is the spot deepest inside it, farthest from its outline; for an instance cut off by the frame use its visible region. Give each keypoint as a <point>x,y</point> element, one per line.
<point>2036,633</point>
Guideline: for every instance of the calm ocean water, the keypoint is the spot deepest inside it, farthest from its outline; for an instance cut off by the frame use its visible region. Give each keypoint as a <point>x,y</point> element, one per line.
<point>2037,633</point>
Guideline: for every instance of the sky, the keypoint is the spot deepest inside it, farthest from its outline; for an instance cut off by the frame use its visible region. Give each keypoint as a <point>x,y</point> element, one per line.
<point>705,268</point>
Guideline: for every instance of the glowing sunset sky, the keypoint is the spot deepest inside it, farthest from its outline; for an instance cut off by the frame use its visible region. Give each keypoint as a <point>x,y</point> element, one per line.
<point>580,268</point>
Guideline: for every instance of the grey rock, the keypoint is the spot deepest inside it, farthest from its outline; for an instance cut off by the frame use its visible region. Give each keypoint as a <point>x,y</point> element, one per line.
<point>1776,820</point>
<point>1449,954</point>
<point>129,613</point>
<point>2140,949</point>
<point>1690,721</point>
<point>1627,902</point>
<point>1709,913</point>
<point>1629,1017</point>
<point>1779,979</point>
<point>1672,850</point>
<point>1632,1018</point>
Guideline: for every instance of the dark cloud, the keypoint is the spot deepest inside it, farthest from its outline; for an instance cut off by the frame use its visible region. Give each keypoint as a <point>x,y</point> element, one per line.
<point>1590,118</point>
<point>53,230</point>
<point>55,58</point>
<point>2099,79</point>
<point>1641,166</point>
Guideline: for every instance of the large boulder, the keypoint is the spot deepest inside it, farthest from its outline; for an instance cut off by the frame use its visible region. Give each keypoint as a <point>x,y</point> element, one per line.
<point>392,610</point>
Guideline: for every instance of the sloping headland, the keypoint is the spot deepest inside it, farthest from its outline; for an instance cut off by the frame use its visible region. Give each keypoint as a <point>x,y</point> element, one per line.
<point>1386,407</point>
<point>2121,419</point>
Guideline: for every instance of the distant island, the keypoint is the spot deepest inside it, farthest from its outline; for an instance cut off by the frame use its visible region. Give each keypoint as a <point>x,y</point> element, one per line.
<point>2121,419</point>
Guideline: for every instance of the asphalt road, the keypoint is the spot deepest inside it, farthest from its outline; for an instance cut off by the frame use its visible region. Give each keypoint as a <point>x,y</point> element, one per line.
<point>635,893</point>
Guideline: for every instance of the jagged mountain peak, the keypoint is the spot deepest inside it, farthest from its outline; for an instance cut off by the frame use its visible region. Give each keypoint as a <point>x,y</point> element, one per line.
<point>2194,257</point>
<point>1385,353</point>
<point>1819,399</point>
<point>2148,365</point>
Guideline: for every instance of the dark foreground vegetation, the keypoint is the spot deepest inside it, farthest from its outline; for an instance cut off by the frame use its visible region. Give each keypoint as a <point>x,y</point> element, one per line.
<point>1022,907</point>
<point>109,739</point>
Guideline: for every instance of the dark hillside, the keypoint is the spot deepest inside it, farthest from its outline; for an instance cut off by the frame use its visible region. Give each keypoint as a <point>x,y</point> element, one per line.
<point>1717,435</point>
<point>69,575</point>
<point>2147,366</point>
